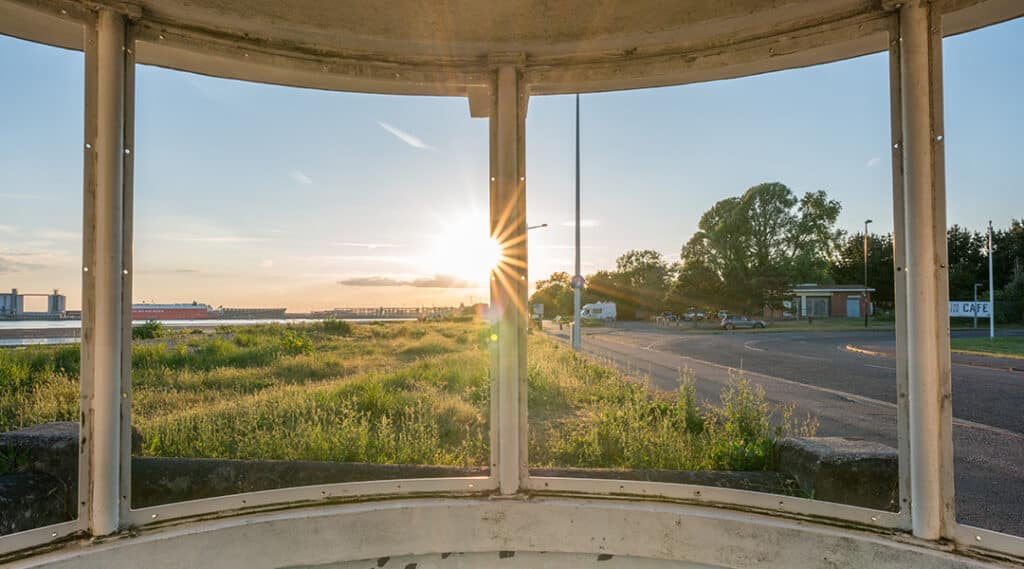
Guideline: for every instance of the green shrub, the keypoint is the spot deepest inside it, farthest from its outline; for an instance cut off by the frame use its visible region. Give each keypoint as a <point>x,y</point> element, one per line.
<point>294,343</point>
<point>148,331</point>
<point>335,327</point>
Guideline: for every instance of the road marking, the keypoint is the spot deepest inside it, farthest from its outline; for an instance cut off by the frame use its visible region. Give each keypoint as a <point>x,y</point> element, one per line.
<point>880,367</point>
<point>748,346</point>
<point>852,397</point>
<point>815,358</point>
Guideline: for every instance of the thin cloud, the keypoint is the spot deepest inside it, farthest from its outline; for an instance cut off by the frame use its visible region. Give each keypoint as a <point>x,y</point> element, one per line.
<point>405,137</point>
<point>436,281</point>
<point>8,229</point>
<point>365,245</point>
<point>267,263</point>
<point>299,177</point>
<point>24,196</point>
<point>399,259</point>
<point>871,163</point>
<point>211,239</point>
<point>10,265</point>
<point>583,223</point>
<point>22,260</point>
<point>59,234</point>
<point>167,271</point>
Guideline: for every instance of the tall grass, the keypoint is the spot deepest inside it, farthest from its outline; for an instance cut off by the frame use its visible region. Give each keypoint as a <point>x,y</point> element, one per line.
<point>583,414</point>
<point>415,393</point>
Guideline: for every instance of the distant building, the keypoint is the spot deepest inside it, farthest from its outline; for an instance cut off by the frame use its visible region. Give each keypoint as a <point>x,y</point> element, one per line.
<point>12,306</point>
<point>832,301</point>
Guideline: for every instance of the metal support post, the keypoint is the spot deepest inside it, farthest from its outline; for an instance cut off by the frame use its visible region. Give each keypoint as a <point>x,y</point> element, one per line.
<point>927,332</point>
<point>577,281</point>
<point>509,283</point>
<point>103,227</point>
<point>991,288</point>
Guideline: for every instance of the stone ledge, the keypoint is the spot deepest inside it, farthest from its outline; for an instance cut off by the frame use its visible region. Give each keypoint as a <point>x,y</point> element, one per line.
<point>844,470</point>
<point>51,448</point>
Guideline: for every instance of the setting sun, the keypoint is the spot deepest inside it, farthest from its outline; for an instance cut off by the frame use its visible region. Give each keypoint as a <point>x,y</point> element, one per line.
<point>465,250</point>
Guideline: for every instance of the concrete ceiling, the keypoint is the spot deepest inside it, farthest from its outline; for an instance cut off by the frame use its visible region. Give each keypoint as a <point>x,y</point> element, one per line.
<point>468,29</point>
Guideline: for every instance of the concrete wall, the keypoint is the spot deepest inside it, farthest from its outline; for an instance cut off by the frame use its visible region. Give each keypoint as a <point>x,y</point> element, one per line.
<point>43,490</point>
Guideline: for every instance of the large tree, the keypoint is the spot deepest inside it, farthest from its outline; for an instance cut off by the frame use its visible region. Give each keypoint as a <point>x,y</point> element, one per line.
<point>637,285</point>
<point>1008,258</point>
<point>967,263</point>
<point>759,244</point>
<point>556,294</point>
<point>847,267</point>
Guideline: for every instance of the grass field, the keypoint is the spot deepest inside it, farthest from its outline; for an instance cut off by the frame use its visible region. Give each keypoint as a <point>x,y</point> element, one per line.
<point>1007,346</point>
<point>409,393</point>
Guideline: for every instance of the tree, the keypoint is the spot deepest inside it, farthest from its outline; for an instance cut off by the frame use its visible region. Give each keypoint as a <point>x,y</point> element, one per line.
<point>847,266</point>
<point>644,278</point>
<point>556,294</point>
<point>1008,258</point>
<point>967,263</point>
<point>637,286</point>
<point>758,245</point>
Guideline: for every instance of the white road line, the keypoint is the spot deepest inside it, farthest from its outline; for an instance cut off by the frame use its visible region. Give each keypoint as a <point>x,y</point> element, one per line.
<point>834,392</point>
<point>748,346</point>
<point>880,367</point>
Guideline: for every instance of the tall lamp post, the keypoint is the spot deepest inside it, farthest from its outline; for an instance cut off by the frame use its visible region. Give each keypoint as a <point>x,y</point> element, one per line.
<point>577,279</point>
<point>991,288</point>
<point>867,303</point>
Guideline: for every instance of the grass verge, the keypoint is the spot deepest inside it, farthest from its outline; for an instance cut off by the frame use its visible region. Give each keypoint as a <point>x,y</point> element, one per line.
<point>412,393</point>
<point>1007,346</point>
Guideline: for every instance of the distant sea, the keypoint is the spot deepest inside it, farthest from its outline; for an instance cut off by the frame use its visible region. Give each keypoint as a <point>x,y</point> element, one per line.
<point>44,332</point>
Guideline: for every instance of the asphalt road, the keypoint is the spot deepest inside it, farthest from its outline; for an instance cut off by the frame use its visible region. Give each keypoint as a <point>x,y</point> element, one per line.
<point>852,394</point>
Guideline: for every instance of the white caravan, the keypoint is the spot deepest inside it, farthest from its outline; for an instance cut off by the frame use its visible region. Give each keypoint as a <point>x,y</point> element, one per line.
<point>598,311</point>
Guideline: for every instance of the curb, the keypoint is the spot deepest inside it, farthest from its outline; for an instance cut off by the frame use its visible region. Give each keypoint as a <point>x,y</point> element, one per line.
<point>852,348</point>
<point>866,352</point>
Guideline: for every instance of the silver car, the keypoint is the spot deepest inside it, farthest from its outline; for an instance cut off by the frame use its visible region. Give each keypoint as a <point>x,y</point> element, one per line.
<point>732,322</point>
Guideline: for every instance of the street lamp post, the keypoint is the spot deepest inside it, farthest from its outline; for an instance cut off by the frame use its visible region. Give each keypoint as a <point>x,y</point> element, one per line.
<point>991,288</point>
<point>867,304</point>
<point>577,280</point>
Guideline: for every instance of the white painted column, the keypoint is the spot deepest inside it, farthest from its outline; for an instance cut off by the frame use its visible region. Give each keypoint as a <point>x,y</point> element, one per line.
<point>508,285</point>
<point>900,274</point>
<point>105,224</point>
<point>927,330</point>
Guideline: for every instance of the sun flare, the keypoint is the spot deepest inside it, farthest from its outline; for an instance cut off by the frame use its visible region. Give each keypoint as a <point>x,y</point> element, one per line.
<point>465,250</point>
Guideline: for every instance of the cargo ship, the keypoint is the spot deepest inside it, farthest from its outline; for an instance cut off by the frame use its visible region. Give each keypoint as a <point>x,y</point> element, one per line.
<point>190,311</point>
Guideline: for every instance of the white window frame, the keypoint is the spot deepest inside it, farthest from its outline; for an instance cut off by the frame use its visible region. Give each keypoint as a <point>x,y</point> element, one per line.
<point>500,89</point>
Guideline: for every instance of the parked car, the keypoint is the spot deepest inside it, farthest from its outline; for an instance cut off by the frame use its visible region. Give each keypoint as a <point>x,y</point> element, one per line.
<point>732,322</point>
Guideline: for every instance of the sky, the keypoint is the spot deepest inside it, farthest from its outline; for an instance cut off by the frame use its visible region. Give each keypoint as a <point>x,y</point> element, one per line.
<point>259,195</point>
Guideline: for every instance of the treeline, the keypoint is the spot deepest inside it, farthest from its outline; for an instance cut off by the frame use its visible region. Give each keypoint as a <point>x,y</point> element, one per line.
<point>748,251</point>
